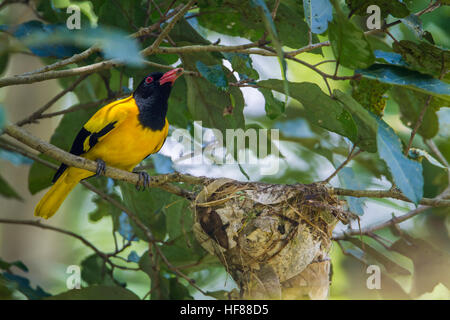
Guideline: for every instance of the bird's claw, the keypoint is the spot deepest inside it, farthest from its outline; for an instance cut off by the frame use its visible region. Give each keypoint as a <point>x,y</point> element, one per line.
<point>101,167</point>
<point>144,181</point>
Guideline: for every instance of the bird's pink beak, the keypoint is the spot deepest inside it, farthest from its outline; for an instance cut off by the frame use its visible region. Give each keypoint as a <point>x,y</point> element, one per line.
<point>171,76</point>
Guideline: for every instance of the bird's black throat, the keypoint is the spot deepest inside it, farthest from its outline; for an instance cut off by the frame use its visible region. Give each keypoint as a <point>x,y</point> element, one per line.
<point>152,108</point>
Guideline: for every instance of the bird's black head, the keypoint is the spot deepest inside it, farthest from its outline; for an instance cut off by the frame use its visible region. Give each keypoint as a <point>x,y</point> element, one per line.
<point>152,95</point>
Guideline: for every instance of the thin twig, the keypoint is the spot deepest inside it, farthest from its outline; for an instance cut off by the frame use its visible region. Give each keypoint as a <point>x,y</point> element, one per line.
<point>82,106</point>
<point>436,202</point>
<point>275,9</point>
<point>368,230</point>
<point>351,155</point>
<point>168,28</point>
<point>418,124</point>
<point>38,113</point>
<point>73,59</point>
<point>37,223</point>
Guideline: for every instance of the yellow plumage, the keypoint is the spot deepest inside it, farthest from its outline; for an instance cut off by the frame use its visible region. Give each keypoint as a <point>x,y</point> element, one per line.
<point>123,147</point>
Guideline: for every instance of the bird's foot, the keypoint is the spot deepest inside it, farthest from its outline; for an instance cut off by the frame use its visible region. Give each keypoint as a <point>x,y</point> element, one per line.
<point>101,167</point>
<point>144,181</point>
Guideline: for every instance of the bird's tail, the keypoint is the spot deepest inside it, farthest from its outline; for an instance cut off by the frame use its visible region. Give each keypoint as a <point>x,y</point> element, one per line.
<point>54,197</point>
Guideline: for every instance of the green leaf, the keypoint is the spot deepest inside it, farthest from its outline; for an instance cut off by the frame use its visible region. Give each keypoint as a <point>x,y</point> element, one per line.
<point>96,292</point>
<point>7,265</point>
<point>391,290</point>
<point>242,63</point>
<point>370,94</point>
<point>60,42</point>
<point>133,257</point>
<point>407,173</point>
<point>424,57</point>
<point>206,103</point>
<point>411,104</point>
<point>94,270</point>
<point>210,105</point>
<point>149,207</point>
<point>219,294</point>
<point>390,265</point>
<point>274,107</point>
<point>7,191</point>
<point>430,263</point>
<point>178,113</point>
<point>55,40</point>
<point>414,23</point>
<point>23,285</point>
<point>104,208</point>
<point>390,58</point>
<point>160,285</point>
<point>349,44</point>
<point>6,289</point>
<point>213,74</point>
<point>179,218</point>
<point>178,291</point>
<point>317,14</point>
<point>394,7</point>
<point>366,124</point>
<point>45,40</point>
<point>125,15</point>
<point>233,18</point>
<point>418,154</point>
<point>407,78</point>
<point>348,180</point>
<point>321,109</point>
<point>55,11</point>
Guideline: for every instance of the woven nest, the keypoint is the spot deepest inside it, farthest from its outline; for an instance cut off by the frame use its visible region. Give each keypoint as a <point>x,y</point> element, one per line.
<point>267,236</point>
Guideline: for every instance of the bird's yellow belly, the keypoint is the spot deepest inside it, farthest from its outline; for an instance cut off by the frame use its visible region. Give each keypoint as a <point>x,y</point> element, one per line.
<point>127,145</point>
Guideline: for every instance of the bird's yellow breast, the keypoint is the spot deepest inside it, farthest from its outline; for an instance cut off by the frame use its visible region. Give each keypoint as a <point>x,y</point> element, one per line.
<point>129,143</point>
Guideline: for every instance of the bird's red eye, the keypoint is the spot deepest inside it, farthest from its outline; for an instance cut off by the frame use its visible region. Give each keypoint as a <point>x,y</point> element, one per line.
<point>148,80</point>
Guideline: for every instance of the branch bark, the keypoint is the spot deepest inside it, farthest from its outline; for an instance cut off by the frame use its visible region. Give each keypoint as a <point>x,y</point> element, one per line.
<point>161,181</point>
<point>395,220</point>
<point>436,202</point>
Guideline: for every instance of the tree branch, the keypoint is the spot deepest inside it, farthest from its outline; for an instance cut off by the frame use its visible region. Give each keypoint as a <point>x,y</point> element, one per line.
<point>167,29</point>
<point>436,202</point>
<point>366,231</point>
<point>148,233</point>
<point>36,223</point>
<point>73,59</point>
<point>161,181</point>
<point>95,67</point>
<point>38,113</point>
<point>81,106</point>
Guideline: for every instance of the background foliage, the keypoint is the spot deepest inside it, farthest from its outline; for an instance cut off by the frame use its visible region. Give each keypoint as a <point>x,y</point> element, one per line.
<point>338,93</point>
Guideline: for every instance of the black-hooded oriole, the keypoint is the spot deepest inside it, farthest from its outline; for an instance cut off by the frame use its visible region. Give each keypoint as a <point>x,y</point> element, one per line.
<point>121,135</point>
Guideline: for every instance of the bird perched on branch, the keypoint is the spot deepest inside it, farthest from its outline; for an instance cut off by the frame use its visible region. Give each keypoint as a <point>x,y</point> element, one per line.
<point>121,135</point>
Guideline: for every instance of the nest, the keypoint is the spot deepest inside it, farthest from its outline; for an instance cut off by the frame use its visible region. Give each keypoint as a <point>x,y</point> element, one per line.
<point>269,237</point>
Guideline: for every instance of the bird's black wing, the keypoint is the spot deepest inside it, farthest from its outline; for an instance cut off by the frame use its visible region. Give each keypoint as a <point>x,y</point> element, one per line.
<point>79,142</point>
